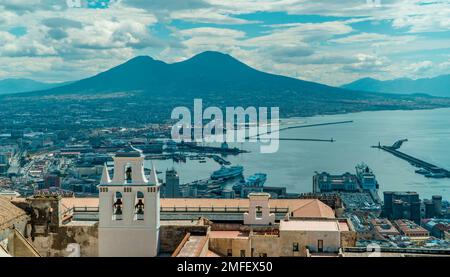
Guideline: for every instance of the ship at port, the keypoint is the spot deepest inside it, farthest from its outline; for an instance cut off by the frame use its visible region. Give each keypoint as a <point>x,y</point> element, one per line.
<point>227,172</point>
<point>254,183</point>
<point>256,180</point>
<point>223,149</point>
<point>366,178</point>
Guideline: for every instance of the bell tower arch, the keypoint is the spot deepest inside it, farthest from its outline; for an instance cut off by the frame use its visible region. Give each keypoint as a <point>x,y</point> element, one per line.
<point>129,209</point>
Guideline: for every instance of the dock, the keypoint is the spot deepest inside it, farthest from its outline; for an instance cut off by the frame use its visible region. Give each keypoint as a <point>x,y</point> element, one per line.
<point>306,139</point>
<point>219,159</point>
<point>299,127</point>
<point>435,171</point>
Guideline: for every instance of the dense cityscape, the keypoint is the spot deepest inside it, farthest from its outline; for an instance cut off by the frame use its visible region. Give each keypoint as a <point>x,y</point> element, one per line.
<point>65,169</point>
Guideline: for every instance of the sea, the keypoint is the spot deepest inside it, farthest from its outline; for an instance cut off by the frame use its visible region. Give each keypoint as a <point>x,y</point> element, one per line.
<point>295,162</point>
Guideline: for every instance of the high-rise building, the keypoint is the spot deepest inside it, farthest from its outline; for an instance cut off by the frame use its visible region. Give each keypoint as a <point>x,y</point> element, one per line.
<point>129,208</point>
<point>172,188</point>
<point>402,205</point>
<point>437,202</point>
<point>429,208</point>
<point>387,208</point>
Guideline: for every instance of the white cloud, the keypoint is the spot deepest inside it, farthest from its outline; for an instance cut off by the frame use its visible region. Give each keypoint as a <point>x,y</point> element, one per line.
<point>85,41</point>
<point>367,64</point>
<point>208,15</point>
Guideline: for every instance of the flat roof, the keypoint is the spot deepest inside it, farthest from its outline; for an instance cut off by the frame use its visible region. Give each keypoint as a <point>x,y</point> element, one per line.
<point>227,234</point>
<point>309,225</point>
<point>343,226</point>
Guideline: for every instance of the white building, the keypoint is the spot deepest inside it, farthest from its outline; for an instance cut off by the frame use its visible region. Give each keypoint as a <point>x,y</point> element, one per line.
<point>259,210</point>
<point>129,208</point>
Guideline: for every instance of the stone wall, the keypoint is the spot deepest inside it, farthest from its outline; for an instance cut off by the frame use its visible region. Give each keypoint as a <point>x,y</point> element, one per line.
<point>309,239</point>
<point>8,237</point>
<point>267,245</point>
<point>56,244</point>
<point>348,238</point>
<point>221,246</point>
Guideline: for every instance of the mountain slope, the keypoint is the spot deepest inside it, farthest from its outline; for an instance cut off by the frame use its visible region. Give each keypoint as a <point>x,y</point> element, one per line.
<point>437,86</point>
<point>8,86</point>
<point>152,87</point>
<point>205,73</point>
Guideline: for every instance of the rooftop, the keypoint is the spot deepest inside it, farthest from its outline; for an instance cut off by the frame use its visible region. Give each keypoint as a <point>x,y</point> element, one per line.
<point>129,152</point>
<point>300,207</point>
<point>309,225</point>
<point>8,212</point>
<point>227,234</point>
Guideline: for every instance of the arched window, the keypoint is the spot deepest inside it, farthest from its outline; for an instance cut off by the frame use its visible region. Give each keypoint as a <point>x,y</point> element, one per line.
<point>259,213</point>
<point>117,206</point>
<point>128,173</point>
<point>139,206</point>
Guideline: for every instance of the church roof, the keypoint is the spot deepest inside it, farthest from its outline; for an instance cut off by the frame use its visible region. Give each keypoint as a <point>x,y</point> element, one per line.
<point>129,152</point>
<point>312,209</point>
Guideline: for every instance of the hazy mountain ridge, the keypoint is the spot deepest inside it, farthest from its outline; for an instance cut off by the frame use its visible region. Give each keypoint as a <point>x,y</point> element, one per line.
<point>153,86</point>
<point>437,86</point>
<point>19,85</point>
<point>205,73</point>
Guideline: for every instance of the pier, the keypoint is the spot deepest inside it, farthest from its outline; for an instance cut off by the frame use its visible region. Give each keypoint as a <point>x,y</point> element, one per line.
<point>434,171</point>
<point>219,160</point>
<point>316,125</point>
<point>302,126</point>
<point>306,139</point>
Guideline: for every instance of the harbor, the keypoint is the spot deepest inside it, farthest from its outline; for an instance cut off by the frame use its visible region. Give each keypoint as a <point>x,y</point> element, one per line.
<point>424,168</point>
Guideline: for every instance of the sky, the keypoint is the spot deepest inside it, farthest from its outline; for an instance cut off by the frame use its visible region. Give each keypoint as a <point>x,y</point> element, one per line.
<point>331,42</point>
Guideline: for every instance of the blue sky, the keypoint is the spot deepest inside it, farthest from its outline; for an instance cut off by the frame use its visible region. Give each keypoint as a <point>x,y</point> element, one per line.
<point>332,42</point>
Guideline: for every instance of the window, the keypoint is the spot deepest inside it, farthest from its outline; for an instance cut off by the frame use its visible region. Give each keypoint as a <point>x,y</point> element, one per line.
<point>242,253</point>
<point>229,253</point>
<point>117,206</point>
<point>295,247</point>
<point>320,246</point>
<point>139,206</point>
<point>128,174</point>
<point>259,214</point>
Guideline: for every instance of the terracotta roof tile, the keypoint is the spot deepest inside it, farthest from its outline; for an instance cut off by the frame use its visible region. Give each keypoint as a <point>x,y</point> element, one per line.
<point>8,211</point>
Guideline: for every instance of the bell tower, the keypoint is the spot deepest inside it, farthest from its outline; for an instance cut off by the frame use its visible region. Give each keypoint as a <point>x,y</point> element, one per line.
<point>129,208</point>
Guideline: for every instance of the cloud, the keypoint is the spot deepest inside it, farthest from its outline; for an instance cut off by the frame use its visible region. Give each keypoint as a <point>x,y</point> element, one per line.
<point>362,37</point>
<point>167,5</point>
<point>292,34</point>
<point>287,54</point>
<point>367,64</point>
<point>336,41</point>
<point>57,33</point>
<point>208,15</point>
<point>60,22</point>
